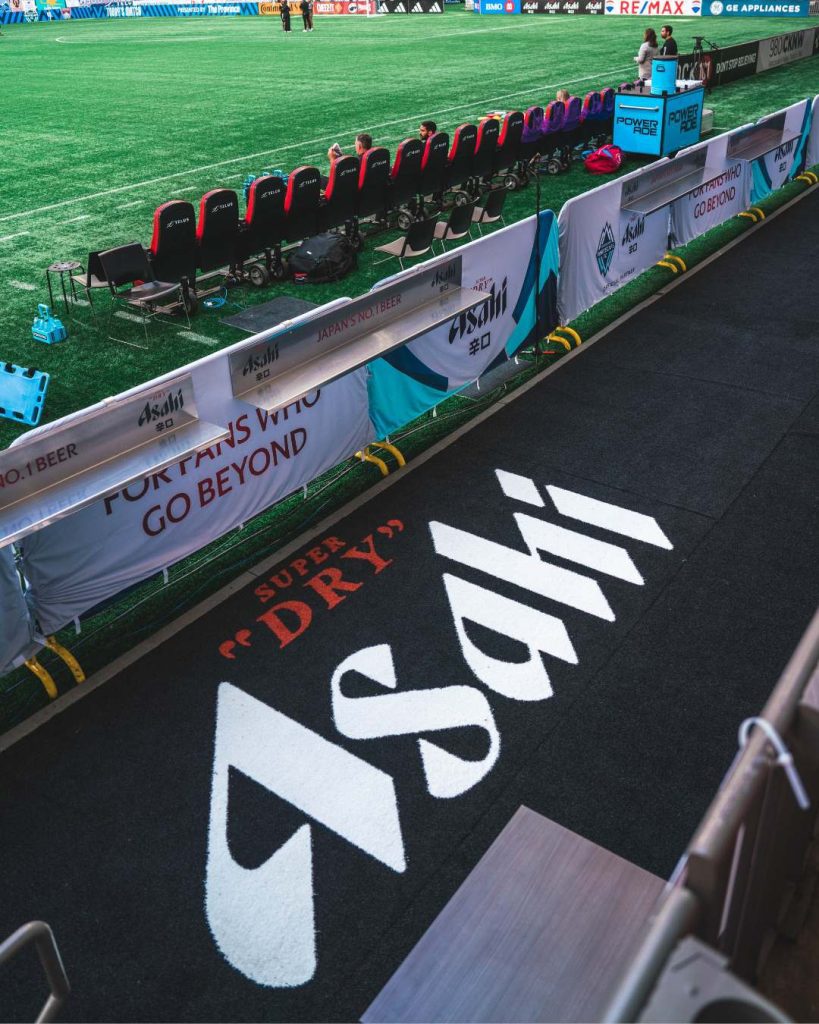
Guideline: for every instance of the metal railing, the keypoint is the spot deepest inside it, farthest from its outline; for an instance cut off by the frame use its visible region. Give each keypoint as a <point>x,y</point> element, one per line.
<point>748,853</point>
<point>39,933</point>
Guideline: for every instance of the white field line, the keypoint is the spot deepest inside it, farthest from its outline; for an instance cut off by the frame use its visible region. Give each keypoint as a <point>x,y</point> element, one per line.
<point>23,286</point>
<point>129,316</point>
<point>468,105</point>
<point>82,216</point>
<point>17,234</point>
<point>134,202</point>
<point>201,338</point>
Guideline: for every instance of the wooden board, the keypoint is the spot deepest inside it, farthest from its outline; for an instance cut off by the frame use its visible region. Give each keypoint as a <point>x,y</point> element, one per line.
<point>541,930</point>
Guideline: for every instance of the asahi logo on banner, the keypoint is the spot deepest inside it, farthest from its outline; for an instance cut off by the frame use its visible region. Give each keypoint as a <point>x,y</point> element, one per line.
<point>157,410</point>
<point>263,918</point>
<point>465,324</point>
<point>255,363</point>
<point>605,249</point>
<point>634,229</point>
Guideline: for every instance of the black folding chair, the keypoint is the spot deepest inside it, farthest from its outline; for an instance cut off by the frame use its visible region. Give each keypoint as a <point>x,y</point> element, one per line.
<point>458,225</point>
<point>489,209</point>
<point>123,267</point>
<point>416,242</point>
<point>93,278</point>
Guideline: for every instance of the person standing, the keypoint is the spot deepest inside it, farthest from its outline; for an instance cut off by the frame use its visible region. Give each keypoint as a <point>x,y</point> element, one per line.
<point>285,15</point>
<point>646,54</point>
<point>669,47</point>
<point>306,8</point>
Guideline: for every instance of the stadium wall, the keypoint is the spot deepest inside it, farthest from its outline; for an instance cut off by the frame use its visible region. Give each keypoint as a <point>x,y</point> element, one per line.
<point>20,11</point>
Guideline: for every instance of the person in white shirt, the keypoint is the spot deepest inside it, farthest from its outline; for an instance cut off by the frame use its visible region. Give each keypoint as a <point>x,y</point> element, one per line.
<point>646,54</point>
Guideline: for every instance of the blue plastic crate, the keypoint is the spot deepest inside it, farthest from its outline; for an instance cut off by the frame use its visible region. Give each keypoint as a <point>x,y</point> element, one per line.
<point>22,393</point>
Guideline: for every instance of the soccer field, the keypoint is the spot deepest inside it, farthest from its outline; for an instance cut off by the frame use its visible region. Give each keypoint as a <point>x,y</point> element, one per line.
<point>105,120</point>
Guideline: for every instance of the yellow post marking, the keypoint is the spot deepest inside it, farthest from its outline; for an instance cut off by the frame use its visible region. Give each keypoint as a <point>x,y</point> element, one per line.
<point>399,458</point>
<point>43,675</point>
<point>366,457</point>
<point>67,657</point>
<point>573,334</point>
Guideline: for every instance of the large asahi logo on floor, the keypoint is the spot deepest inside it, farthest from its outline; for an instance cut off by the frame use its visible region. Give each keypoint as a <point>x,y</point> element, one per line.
<point>605,249</point>
<point>263,918</point>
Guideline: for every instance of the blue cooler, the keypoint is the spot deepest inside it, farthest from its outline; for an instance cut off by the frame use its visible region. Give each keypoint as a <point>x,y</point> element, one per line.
<point>663,76</point>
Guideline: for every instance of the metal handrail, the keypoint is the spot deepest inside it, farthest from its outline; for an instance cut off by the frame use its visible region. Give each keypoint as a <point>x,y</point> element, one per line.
<point>728,809</point>
<point>698,896</point>
<point>42,936</point>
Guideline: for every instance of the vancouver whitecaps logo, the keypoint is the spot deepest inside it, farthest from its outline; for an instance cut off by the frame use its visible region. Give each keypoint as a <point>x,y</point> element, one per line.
<point>605,249</point>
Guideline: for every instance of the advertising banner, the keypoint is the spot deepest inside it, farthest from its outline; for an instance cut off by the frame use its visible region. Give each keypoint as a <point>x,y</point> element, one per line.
<point>109,546</point>
<point>756,8</point>
<point>344,7</point>
<point>713,203</point>
<point>603,247</point>
<point>771,171</point>
<point>561,6</point>
<point>812,148</point>
<point>655,8</point>
<point>16,639</point>
<point>417,377</point>
<point>498,6</point>
<point>778,50</point>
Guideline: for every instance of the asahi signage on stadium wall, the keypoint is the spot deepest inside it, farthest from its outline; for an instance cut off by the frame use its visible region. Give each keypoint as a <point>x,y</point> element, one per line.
<point>562,6</point>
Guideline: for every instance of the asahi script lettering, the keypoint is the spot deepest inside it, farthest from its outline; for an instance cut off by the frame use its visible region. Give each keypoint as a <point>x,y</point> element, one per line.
<point>263,919</point>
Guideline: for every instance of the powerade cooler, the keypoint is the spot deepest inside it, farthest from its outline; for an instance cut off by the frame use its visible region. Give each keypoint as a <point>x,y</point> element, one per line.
<point>662,119</point>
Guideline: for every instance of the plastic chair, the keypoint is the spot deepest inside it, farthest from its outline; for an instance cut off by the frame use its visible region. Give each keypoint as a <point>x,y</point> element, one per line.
<point>458,225</point>
<point>416,242</point>
<point>489,210</point>
<point>126,265</point>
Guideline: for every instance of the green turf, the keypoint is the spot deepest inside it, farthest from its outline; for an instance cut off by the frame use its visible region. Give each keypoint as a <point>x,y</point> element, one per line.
<point>101,106</point>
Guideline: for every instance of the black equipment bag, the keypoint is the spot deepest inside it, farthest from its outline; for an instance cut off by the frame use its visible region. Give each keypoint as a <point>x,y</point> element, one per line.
<point>326,257</point>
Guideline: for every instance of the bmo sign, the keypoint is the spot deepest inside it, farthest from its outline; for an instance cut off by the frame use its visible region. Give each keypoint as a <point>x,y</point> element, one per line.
<point>498,6</point>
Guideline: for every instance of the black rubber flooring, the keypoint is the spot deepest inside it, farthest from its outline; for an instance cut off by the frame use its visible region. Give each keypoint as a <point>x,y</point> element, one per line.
<point>700,414</point>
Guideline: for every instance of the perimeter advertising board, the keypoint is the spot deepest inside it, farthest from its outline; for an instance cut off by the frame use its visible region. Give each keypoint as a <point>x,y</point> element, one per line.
<point>562,7</point>
<point>783,49</point>
<point>757,8</point>
<point>655,8</point>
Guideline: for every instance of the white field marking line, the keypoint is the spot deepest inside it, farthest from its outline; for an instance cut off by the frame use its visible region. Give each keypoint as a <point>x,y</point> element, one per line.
<point>192,336</point>
<point>23,286</point>
<point>18,234</point>
<point>134,202</point>
<point>309,142</point>
<point>82,216</point>
<point>129,316</point>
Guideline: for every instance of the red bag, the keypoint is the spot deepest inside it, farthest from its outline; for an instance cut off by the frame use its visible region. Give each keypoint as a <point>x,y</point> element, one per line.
<point>604,160</point>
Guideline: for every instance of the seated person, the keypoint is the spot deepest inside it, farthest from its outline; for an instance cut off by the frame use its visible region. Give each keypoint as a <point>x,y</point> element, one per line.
<point>363,142</point>
<point>563,95</point>
<point>427,128</point>
<point>333,153</point>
